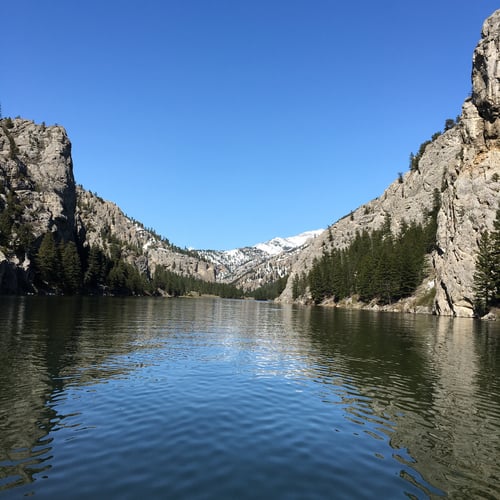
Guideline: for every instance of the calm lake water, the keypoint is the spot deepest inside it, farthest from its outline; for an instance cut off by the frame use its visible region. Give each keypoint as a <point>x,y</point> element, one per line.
<point>207,398</point>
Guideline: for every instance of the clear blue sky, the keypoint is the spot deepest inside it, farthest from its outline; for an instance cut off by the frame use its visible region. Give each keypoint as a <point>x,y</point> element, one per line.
<point>223,123</point>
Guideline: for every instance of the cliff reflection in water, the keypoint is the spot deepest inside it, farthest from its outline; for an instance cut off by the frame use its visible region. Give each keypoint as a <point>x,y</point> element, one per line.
<point>432,385</point>
<point>427,389</point>
<point>48,344</point>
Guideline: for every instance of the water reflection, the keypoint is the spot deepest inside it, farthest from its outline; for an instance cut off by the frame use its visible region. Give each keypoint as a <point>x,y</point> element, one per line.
<point>422,393</point>
<point>47,345</point>
<point>430,384</point>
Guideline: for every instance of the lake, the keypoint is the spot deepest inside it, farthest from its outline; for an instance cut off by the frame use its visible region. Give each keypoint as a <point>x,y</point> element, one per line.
<point>213,399</point>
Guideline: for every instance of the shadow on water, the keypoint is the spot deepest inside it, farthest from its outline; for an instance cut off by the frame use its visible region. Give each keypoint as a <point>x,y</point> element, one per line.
<point>431,385</point>
<point>423,392</point>
<point>48,344</point>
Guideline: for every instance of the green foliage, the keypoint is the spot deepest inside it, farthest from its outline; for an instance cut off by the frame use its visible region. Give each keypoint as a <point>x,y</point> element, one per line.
<point>65,268</point>
<point>71,267</point>
<point>377,266</point>
<point>176,285</point>
<point>47,260</point>
<point>5,226</point>
<point>8,122</point>
<point>96,270</point>
<point>449,124</point>
<point>299,285</point>
<point>487,273</point>
<point>14,151</point>
<point>415,159</point>
<point>271,290</point>
<point>124,279</point>
<point>15,234</point>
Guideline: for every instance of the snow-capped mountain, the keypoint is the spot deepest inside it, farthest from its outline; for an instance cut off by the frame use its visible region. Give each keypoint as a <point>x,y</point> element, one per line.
<point>251,267</point>
<point>280,245</point>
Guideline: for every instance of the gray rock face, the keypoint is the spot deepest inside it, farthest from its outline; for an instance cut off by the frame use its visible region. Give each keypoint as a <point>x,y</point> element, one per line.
<point>252,267</point>
<point>40,171</point>
<point>101,222</point>
<point>36,166</point>
<point>464,165</point>
<point>486,71</point>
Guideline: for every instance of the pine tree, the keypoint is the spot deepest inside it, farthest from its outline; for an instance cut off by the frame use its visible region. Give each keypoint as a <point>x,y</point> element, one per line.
<point>71,267</point>
<point>295,287</point>
<point>316,281</point>
<point>487,274</point>
<point>96,269</point>
<point>495,257</point>
<point>483,276</point>
<point>47,260</point>
<point>117,276</point>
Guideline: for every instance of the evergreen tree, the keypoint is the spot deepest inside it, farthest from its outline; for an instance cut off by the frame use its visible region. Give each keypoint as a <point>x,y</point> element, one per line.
<point>96,269</point>
<point>379,265</point>
<point>299,285</point>
<point>295,287</point>
<point>317,280</point>
<point>47,260</point>
<point>71,267</point>
<point>116,279</point>
<point>487,274</point>
<point>271,290</point>
<point>495,256</point>
<point>483,276</point>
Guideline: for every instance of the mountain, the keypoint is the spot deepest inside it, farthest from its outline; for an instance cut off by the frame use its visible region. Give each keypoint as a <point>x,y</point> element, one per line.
<point>279,245</point>
<point>460,167</point>
<point>38,195</point>
<point>260,264</point>
<point>453,182</point>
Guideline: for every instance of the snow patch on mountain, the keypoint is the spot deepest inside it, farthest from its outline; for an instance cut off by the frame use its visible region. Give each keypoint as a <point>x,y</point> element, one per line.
<point>259,260</point>
<point>279,245</point>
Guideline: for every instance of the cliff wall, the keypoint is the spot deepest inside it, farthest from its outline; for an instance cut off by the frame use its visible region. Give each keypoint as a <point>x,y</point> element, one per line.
<point>38,194</point>
<point>463,164</point>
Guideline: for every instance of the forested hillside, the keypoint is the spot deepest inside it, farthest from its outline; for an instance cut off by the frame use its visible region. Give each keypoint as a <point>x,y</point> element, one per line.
<point>376,266</point>
<point>403,242</point>
<point>56,237</point>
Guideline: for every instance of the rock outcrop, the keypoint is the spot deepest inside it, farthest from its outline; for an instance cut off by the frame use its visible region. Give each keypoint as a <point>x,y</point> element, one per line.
<point>38,194</point>
<point>36,164</point>
<point>249,268</point>
<point>463,164</point>
<point>101,222</point>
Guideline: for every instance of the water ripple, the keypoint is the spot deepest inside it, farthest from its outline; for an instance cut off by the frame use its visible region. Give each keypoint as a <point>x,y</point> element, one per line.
<point>224,399</point>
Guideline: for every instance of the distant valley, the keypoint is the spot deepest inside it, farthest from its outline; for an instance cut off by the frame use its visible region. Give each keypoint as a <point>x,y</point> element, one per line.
<point>414,248</point>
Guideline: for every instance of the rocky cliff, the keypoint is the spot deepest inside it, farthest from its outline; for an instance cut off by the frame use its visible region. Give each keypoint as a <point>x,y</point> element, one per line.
<point>100,222</point>
<point>38,194</point>
<point>463,164</point>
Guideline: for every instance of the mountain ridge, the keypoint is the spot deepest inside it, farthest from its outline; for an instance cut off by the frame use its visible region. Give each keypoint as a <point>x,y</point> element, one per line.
<point>463,165</point>
<point>260,264</point>
<point>38,195</point>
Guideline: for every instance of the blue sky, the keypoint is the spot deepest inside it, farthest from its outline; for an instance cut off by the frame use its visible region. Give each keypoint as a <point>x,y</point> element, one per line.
<point>223,123</point>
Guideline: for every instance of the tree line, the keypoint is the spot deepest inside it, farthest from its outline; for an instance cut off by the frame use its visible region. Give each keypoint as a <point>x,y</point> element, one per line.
<point>70,267</point>
<point>63,267</point>
<point>375,266</point>
<point>270,290</point>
